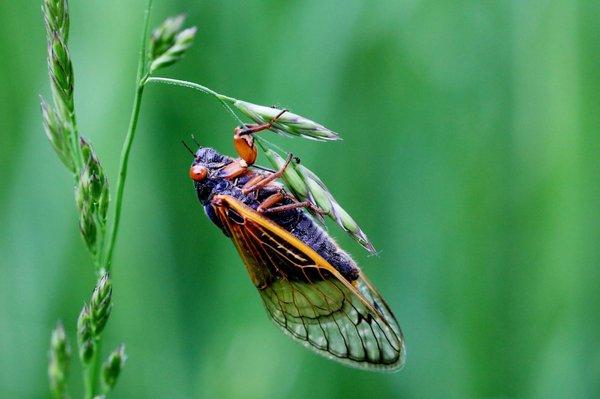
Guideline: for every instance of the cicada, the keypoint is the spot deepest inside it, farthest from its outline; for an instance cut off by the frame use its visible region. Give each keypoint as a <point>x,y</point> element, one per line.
<point>311,288</point>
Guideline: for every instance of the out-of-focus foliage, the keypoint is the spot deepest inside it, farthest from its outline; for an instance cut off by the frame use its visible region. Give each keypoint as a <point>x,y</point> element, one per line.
<point>470,153</point>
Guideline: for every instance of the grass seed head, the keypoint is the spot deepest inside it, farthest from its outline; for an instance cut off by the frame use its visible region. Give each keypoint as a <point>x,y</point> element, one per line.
<point>57,134</point>
<point>169,43</point>
<point>56,16</point>
<point>290,175</point>
<point>85,336</point>
<point>112,367</point>
<point>91,197</point>
<point>101,304</point>
<point>322,197</point>
<point>59,362</point>
<point>287,123</point>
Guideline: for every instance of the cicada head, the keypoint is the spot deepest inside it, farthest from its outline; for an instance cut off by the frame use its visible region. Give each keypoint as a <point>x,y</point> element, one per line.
<point>205,172</point>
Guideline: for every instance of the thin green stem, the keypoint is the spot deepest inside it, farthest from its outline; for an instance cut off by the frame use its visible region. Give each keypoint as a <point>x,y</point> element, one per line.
<point>75,148</point>
<point>141,80</point>
<point>192,85</point>
<point>90,373</point>
<point>223,99</point>
<point>123,164</point>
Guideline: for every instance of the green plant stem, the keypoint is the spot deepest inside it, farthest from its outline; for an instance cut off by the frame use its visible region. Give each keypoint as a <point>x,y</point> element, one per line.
<point>225,100</point>
<point>91,373</point>
<point>123,163</point>
<point>141,80</point>
<point>76,149</point>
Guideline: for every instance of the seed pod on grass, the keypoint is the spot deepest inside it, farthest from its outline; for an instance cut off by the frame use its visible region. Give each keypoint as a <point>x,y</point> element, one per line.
<point>85,335</point>
<point>89,230</point>
<point>169,43</point>
<point>290,176</point>
<point>61,73</point>
<point>56,16</point>
<point>322,197</point>
<point>98,183</point>
<point>60,358</point>
<point>58,135</point>
<point>91,197</point>
<point>101,304</point>
<point>112,367</point>
<point>287,123</point>
<point>304,184</point>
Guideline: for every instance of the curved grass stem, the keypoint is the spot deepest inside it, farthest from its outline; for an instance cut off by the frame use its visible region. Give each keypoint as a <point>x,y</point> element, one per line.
<point>223,99</point>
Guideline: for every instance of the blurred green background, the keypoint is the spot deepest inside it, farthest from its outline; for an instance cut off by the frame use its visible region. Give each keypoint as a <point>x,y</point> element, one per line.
<point>470,157</point>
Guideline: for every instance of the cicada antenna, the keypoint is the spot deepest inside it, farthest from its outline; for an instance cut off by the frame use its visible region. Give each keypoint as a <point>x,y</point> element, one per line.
<point>195,141</point>
<point>188,148</point>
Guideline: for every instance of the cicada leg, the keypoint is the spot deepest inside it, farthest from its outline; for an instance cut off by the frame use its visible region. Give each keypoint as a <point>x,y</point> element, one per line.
<point>270,201</point>
<point>267,206</point>
<point>235,169</point>
<point>243,140</point>
<point>256,184</point>
<point>295,205</point>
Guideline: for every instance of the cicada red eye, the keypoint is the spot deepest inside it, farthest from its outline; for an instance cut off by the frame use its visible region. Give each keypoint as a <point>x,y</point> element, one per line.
<point>198,172</point>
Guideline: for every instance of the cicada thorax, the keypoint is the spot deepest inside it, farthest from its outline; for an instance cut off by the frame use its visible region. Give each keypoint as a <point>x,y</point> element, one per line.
<point>215,179</point>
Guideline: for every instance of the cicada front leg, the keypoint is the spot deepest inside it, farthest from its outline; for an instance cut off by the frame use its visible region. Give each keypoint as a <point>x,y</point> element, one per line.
<point>243,139</point>
<point>235,169</point>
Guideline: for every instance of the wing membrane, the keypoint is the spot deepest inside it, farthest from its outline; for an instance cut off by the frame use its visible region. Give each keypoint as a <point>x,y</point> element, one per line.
<point>308,298</point>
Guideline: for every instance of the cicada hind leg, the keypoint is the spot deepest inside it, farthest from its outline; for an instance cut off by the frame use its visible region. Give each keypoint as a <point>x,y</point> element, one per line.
<point>270,204</point>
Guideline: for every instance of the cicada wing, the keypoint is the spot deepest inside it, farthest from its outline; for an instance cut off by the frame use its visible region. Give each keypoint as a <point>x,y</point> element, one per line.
<point>308,298</point>
<point>333,321</point>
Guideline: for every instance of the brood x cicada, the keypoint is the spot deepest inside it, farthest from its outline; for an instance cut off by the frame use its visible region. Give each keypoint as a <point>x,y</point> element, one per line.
<point>310,287</point>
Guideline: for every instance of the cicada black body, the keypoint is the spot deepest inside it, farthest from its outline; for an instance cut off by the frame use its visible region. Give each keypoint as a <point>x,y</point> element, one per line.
<point>310,287</point>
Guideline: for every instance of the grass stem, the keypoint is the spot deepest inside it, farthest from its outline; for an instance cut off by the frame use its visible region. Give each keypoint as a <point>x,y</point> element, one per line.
<point>225,100</point>
<point>126,149</point>
<point>91,373</point>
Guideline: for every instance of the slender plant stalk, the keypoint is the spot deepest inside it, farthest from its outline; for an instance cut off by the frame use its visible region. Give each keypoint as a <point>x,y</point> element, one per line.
<point>225,100</point>
<point>123,164</point>
<point>93,370</point>
<point>142,76</point>
<point>192,85</point>
<point>89,380</point>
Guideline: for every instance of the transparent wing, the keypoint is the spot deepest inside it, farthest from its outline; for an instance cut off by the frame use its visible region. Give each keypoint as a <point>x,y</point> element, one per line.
<point>308,298</point>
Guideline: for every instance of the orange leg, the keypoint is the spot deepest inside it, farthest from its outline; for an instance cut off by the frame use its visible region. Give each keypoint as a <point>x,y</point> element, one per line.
<point>267,179</point>
<point>267,206</point>
<point>255,128</point>
<point>244,142</point>
<point>270,201</point>
<point>254,180</point>
<point>295,205</point>
<point>235,169</point>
